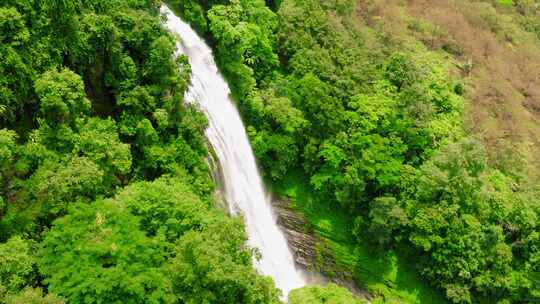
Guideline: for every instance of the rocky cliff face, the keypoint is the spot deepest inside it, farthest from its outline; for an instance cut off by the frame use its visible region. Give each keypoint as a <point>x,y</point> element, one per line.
<point>310,251</point>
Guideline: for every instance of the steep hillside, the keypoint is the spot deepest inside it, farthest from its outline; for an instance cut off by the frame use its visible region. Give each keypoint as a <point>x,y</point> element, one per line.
<point>410,126</point>
<point>497,48</point>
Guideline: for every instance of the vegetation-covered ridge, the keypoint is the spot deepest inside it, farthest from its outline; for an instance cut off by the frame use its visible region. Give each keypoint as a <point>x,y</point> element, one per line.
<point>377,101</point>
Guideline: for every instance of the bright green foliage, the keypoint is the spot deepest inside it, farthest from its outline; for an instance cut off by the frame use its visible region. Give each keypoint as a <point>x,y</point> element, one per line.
<point>162,211</point>
<point>153,243</point>
<point>374,119</point>
<point>505,2</point>
<point>55,184</point>
<point>16,264</point>
<point>98,140</point>
<point>12,26</point>
<point>329,294</point>
<point>62,97</point>
<point>91,99</point>
<point>210,263</point>
<point>32,296</point>
<point>97,254</point>
<point>65,165</point>
<point>8,150</point>
<point>211,267</point>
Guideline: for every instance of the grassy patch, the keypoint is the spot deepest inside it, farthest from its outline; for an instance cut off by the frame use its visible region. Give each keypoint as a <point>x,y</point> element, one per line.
<point>389,276</point>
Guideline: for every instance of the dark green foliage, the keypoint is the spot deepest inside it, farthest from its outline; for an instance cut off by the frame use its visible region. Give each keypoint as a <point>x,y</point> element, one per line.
<point>14,37</point>
<point>460,212</point>
<point>128,73</point>
<point>385,217</point>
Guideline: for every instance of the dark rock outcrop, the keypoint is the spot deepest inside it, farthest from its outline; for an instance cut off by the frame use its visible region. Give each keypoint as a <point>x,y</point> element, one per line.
<point>310,251</point>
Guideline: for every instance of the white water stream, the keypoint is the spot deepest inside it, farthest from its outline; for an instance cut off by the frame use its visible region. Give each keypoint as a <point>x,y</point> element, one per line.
<point>243,186</point>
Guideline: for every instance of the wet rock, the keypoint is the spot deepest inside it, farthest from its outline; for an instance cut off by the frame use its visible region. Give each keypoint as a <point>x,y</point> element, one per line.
<point>310,251</point>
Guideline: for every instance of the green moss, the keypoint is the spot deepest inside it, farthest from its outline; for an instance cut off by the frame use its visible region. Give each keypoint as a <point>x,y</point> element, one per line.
<point>390,277</point>
<point>505,2</point>
<point>330,294</point>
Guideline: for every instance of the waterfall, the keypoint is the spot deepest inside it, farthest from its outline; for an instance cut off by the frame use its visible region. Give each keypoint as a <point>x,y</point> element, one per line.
<point>243,186</point>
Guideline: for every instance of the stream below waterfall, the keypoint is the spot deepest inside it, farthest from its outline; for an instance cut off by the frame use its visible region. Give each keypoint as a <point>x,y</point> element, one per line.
<point>243,186</point>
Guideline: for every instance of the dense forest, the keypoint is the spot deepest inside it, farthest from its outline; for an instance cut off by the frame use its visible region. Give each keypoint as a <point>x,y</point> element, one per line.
<point>106,196</point>
<point>379,105</point>
<point>414,124</point>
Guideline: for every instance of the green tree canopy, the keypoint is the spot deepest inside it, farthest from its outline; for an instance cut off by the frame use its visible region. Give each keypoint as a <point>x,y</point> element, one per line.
<point>155,242</point>
<point>329,294</point>
<point>97,254</point>
<point>62,97</point>
<point>32,296</point>
<point>17,265</point>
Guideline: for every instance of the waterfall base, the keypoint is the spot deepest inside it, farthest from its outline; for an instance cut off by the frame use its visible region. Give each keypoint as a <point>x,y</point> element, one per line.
<point>312,252</point>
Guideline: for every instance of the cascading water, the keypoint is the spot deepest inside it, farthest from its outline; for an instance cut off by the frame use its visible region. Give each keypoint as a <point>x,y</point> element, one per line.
<point>243,186</point>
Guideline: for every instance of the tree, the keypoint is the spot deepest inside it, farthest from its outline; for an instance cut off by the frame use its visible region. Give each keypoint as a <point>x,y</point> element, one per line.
<point>456,205</point>
<point>160,67</point>
<point>8,150</point>
<point>17,264</point>
<point>211,267</point>
<point>400,71</point>
<point>32,296</point>
<point>66,154</point>
<point>243,30</point>
<point>98,140</point>
<point>97,254</point>
<point>96,54</point>
<point>64,19</point>
<point>62,97</point>
<point>13,89</point>
<point>276,151</point>
<point>385,217</point>
<point>155,242</point>
<point>137,101</point>
<point>210,261</point>
<point>7,147</point>
<point>57,184</point>
<point>12,27</point>
<point>166,206</point>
